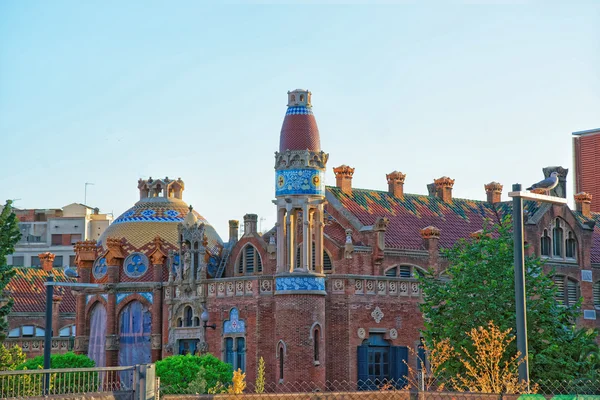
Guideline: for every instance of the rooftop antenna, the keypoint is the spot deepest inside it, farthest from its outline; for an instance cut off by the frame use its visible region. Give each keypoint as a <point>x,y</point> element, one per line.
<point>85,195</point>
<point>260,224</point>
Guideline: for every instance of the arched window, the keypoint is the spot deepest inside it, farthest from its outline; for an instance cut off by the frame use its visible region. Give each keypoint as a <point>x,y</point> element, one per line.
<point>545,244</point>
<point>316,340</point>
<point>249,260</point>
<point>281,355</point>
<point>234,332</point>
<point>557,239</point>
<point>67,331</point>
<point>188,315</point>
<point>570,246</point>
<point>596,295</point>
<point>567,292</point>
<point>403,271</point>
<point>27,331</point>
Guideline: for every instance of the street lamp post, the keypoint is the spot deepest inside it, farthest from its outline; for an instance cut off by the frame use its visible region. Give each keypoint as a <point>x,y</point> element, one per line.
<point>204,317</point>
<point>519,259</point>
<point>50,283</point>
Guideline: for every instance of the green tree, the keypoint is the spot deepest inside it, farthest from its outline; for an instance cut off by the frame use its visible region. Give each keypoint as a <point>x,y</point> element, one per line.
<point>178,372</point>
<point>11,358</point>
<point>481,289</point>
<point>9,236</point>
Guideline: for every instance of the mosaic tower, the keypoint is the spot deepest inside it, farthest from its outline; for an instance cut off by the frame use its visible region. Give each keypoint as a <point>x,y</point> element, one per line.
<point>300,199</point>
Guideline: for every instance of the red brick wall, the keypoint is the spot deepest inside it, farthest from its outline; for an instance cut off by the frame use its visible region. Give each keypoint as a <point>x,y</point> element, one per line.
<point>587,167</point>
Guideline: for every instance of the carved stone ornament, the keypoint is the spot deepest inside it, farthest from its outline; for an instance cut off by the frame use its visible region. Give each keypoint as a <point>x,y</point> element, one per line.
<point>156,341</point>
<point>393,334</point>
<point>212,288</point>
<point>338,285</point>
<point>358,285</point>
<point>361,333</point>
<point>248,286</point>
<point>112,342</point>
<point>377,314</point>
<point>81,343</point>
<point>266,285</point>
<point>300,159</point>
<point>167,293</point>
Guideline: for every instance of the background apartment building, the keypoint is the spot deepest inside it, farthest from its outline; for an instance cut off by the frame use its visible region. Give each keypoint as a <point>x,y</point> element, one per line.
<point>56,231</point>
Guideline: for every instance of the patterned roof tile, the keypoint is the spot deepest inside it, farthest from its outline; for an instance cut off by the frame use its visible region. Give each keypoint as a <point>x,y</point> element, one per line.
<point>29,293</point>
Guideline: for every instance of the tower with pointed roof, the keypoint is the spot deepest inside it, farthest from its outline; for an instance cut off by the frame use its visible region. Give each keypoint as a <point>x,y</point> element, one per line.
<point>300,198</point>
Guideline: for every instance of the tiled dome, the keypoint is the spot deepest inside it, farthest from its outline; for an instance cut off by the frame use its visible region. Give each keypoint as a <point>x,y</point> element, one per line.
<point>299,130</point>
<point>154,216</point>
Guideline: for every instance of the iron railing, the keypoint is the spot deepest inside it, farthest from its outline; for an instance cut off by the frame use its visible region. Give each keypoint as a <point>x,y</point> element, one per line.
<point>28,383</point>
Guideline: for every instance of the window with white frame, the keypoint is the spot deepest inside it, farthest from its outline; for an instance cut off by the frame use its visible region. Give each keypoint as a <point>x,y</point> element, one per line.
<point>67,331</point>
<point>26,331</point>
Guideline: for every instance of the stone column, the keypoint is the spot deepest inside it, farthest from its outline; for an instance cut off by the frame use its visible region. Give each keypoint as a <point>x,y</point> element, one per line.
<point>56,300</point>
<point>85,255</point>
<point>114,261</point>
<point>306,238</point>
<point>280,240</point>
<point>158,259</point>
<point>290,238</point>
<point>319,225</point>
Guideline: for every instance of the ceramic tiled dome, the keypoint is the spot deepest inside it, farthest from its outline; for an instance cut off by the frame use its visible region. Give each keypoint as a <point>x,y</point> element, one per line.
<point>157,216</point>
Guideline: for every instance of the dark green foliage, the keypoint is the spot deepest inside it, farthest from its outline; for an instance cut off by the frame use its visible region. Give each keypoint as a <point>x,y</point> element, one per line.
<point>177,373</point>
<point>481,289</point>
<point>67,360</point>
<point>9,236</point>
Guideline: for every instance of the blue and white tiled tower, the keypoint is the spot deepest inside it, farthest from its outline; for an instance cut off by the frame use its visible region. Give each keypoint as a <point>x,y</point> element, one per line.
<point>300,197</point>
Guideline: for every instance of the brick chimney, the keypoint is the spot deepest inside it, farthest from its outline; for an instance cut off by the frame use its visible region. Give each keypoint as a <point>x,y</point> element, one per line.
<point>443,188</point>
<point>395,182</point>
<point>234,227</point>
<point>431,238</point>
<point>493,190</point>
<point>46,259</point>
<point>343,178</point>
<point>583,202</point>
<point>250,223</point>
<point>56,300</point>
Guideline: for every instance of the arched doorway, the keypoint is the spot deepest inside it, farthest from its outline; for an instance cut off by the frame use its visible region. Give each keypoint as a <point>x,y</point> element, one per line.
<point>134,334</point>
<point>96,348</point>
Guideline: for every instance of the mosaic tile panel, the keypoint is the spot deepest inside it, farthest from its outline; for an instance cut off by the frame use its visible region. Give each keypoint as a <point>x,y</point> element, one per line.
<point>299,182</point>
<point>234,324</point>
<point>299,283</point>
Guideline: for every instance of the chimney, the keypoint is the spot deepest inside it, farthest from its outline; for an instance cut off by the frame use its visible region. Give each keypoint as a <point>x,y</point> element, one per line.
<point>431,189</point>
<point>443,188</point>
<point>234,226</point>
<point>583,202</point>
<point>250,223</point>
<point>395,182</point>
<point>56,300</point>
<point>46,259</point>
<point>431,238</point>
<point>343,178</point>
<point>494,192</point>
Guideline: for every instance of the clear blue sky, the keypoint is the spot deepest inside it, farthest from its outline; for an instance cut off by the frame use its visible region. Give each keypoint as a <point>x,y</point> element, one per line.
<point>108,92</point>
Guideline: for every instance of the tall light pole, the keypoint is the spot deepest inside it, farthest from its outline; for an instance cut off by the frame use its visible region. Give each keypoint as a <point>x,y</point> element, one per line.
<point>85,193</point>
<point>519,249</point>
<point>50,283</point>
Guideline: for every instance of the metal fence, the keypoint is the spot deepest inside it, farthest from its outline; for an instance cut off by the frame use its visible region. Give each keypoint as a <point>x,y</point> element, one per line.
<point>379,390</point>
<point>41,382</point>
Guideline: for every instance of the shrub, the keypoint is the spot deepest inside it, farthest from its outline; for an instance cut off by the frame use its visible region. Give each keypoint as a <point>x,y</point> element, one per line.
<point>67,360</point>
<point>178,372</point>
